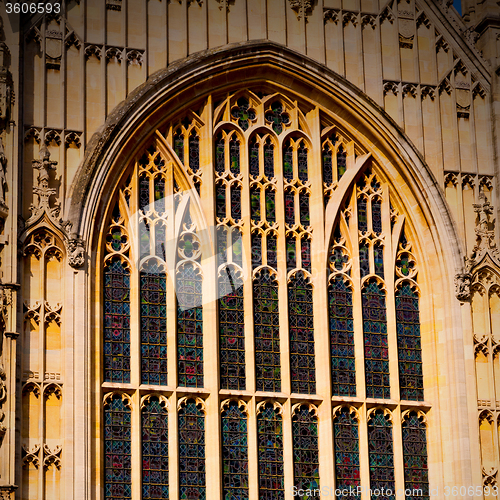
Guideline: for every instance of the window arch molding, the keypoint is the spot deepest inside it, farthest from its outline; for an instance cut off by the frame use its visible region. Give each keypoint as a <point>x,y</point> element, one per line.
<point>109,152</point>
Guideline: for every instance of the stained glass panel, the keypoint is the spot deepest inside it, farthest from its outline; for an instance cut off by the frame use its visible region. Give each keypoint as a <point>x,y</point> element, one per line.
<point>302,161</point>
<point>415,456</point>
<point>305,450</point>
<point>269,159</point>
<point>179,144</point>
<point>301,327</point>
<point>277,117</point>
<point>144,200</point>
<point>234,148</point>
<point>189,327</point>
<point>220,155</point>
<point>237,247</point>
<point>243,113</point>
<point>160,240</point>
<point>234,452</point>
<point>342,338</point>
<point>304,208</point>
<point>378,257</point>
<point>364,260</point>
<point>255,203</point>
<point>221,245</point>
<point>254,158</point>
<point>191,451</point>
<point>153,325</point>
<point>194,152</point>
<point>346,439</point>
<point>290,208</point>
<point>381,456</point>
<point>236,202</point>
<point>409,344</point>
<point>341,162</point>
<point>116,322</point>
<point>221,201</point>
<point>377,216</point>
<point>270,206</point>
<point>306,253</point>
<point>291,253</point>
<point>362,216</point>
<point>159,187</point>
<point>144,243</point>
<point>117,449</point>
<point>256,250</point>
<point>231,331</point>
<point>288,161</point>
<point>375,339</point>
<point>270,452</point>
<point>154,419</point>
<point>272,250</point>
<point>327,165</point>
<point>266,332</point>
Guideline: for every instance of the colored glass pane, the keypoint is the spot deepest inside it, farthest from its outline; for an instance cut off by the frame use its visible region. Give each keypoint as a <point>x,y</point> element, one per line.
<point>415,457</point>
<point>305,451</point>
<point>254,158</point>
<point>191,452</point>
<point>342,338</point>
<point>346,439</point>
<point>409,344</point>
<point>144,237</point>
<point>154,419</point>
<point>236,202</point>
<point>291,253</point>
<point>270,453</point>
<point>189,327</point>
<point>231,331</point>
<point>302,162</point>
<point>153,289</point>
<point>160,240</point>
<point>277,117</point>
<point>159,187</point>
<point>243,113</point>
<point>116,238</point>
<point>301,328</point>
<point>381,455</point>
<point>256,250</point>
<point>116,323</point>
<point>288,161</point>
<point>304,209</point>
<point>341,162</point>
<point>234,149</point>
<point>305,245</point>
<point>237,247</point>
<point>221,245</point>
<point>194,152</point>
<point>375,340</point>
<point>378,258</point>
<point>179,144</point>
<point>327,166</point>
<point>269,159</point>
<point>272,251</point>
<point>362,217</point>
<point>220,202</point>
<point>270,206</point>
<point>220,155</point>
<point>290,208</point>
<point>377,216</point>
<point>255,203</point>
<point>266,332</point>
<point>117,450</point>
<point>144,200</point>
<point>364,260</point>
<point>338,258</point>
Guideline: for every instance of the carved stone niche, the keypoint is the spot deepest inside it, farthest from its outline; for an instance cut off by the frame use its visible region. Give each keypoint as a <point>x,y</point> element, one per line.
<point>53,49</point>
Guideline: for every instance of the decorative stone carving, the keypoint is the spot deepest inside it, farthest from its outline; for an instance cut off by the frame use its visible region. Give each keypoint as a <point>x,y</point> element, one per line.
<point>350,17</point>
<point>224,4</point>
<point>391,87</point>
<point>93,50</point>
<point>462,286</point>
<point>331,15</point>
<point>52,136</point>
<point>4,209</point>
<point>72,39</point>
<point>114,5</point>
<point>52,458</point>
<point>5,84</point>
<point>34,133</point>
<point>427,91</point>
<point>72,138</point>
<point>409,90</point>
<point>114,54</point>
<point>422,19</point>
<point>441,44</point>
<point>53,49</point>
<point>478,91</point>
<point>135,57</point>
<point>387,15</point>
<point>76,252</point>
<point>303,8</point>
<point>445,86</point>
<point>368,20</point>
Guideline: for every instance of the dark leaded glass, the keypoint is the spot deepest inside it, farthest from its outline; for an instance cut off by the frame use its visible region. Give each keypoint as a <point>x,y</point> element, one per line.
<point>117,449</point>
<point>277,117</point>
<point>116,239</point>
<point>409,344</point>
<point>306,253</point>
<point>270,206</point>
<point>242,113</point>
<point>144,200</point>
<point>144,237</point>
<point>305,450</point>
<point>234,453</point>
<point>234,148</point>
<point>341,162</point>
<point>291,253</point>
<point>381,456</point>
<point>362,216</point>
<point>116,322</point>
<point>266,332</point>
<point>194,152</point>
<point>160,238</point>
<point>377,216</point>
<point>236,202</point>
<point>220,202</point>
<point>254,157</point>
<point>179,144</point>
<point>154,418</point>
<point>256,250</point>
<point>159,187</point>
<point>404,263</point>
<point>220,154</point>
<point>415,456</point>
<point>189,327</point>
<point>221,245</point>
<point>338,258</point>
<point>378,258</point>
<point>272,250</point>
<point>191,451</point>
<point>270,452</point>
<point>269,159</point>
<point>255,203</point>
<point>290,208</point>
<point>231,331</point>
<point>302,162</point>
<point>237,247</point>
<point>364,260</point>
<point>301,327</point>
<point>342,338</point>
<point>375,339</point>
<point>304,208</point>
<point>288,161</point>
<point>153,325</point>
<point>346,439</point>
<point>327,166</point>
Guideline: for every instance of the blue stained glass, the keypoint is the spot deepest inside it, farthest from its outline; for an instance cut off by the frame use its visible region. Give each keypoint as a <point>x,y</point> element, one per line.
<point>272,251</point>
<point>234,453</point>
<point>269,159</point>
<point>346,439</point>
<point>191,451</point>
<point>116,322</point>
<point>301,328</point>
<point>305,450</point>
<point>231,332</point>
<point>375,340</point>
<point>154,419</point>
<point>409,344</point>
<point>381,455</point>
<point>266,332</point>
<point>415,456</point>
<point>342,338</point>
<point>189,327</point>
<point>153,325</point>
<point>117,449</point>
<point>270,452</point>
<point>254,158</point>
<point>362,216</point>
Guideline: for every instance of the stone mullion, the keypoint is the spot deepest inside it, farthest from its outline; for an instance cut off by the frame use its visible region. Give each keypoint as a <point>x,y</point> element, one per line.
<point>41,433</point>
<point>136,450</point>
<point>364,455</point>
<point>173,447</point>
<point>253,454</point>
<point>210,323</point>
<point>288,450</point>
<point>397,438</point>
